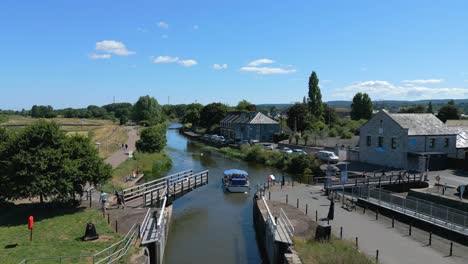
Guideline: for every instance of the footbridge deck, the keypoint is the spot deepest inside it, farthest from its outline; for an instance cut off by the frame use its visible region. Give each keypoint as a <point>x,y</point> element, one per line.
<point>374,181</point>
<point>172,186</point>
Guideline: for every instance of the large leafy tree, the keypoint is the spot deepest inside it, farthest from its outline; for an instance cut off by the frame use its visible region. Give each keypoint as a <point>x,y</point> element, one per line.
<point>315,97</point>
<point>297,117</point>
<point>152,139</point>
<point>329,114</point>
<point>414,109</point>
<point>449,111</point>
<point>192,115</point>
<point>361,107</point>
<point>212,114</point>
<point>41,161</point>
<point>245,105</point>
<point>147,111</point>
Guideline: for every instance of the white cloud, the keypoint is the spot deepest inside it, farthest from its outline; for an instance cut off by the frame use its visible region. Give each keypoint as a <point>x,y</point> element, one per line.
<point>163,24</point>
<point>267,70</point>
<point>95,56</point>
<point>113,47</point>
<point>220,66</point>
<point>386,90</point>
<point>260,62</point>
<point>195,27</point>
<point>165,59</point>
<point>423,81</point>
<point>188,63</point>
<point>168,59</point>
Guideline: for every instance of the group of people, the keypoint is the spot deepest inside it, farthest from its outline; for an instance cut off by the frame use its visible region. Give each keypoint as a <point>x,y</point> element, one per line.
<point>124,146</point>
<point>119,199</point>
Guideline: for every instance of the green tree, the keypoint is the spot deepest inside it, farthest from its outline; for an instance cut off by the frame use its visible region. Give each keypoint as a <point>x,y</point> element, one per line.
<point>297,117</point>
<point>247,106</point>
<point>192,115</point>
<point>299,164</point>
<point>315,97</point>
<point>414,109</point>
<point>152,139</point>
<point>329,115</point>
<point>123,120</point>
<point>306,139</point>
<point>449,112</point>
<point>361,107</point>
<point>41,161</point>
<point>429,108</point>
<point>212,114</point>
<point>147,110</point>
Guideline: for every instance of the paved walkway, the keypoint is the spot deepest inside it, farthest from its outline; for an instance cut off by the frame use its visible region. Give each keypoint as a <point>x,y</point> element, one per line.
<point>394,245</point>
<point>122,155</point>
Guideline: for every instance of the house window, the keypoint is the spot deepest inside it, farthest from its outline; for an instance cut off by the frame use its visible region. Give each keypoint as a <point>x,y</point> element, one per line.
<point>432,142</point>
<point>446,142</point>
<point>394,143</point>
<point>380,142</point>
<point>369,140</point>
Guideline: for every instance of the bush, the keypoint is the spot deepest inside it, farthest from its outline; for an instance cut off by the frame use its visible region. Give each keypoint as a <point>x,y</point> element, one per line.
<point>152,139</point>
<point>299,164</point>
<point>280,137</point>
<point>161,166</point>
<point>347,135</point>
<point>332,133</point>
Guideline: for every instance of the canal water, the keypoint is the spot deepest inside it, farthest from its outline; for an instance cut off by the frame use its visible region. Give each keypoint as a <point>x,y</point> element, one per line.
<point>209,225</point>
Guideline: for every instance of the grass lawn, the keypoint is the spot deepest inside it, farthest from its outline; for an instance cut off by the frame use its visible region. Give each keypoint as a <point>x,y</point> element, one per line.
<point>335,252</point>
<point>153,165</point>
<point>57,232</point>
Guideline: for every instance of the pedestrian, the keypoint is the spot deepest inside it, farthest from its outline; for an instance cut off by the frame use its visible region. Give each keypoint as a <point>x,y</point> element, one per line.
<point>123,146</point>
<point>122,199</point>
<point>117,197</point>
<point>103,199</point>
<point>126,146</point>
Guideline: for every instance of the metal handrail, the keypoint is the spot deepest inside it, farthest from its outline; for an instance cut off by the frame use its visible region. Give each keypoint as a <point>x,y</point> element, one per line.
<point>145,222</point>
<point>289,226</point>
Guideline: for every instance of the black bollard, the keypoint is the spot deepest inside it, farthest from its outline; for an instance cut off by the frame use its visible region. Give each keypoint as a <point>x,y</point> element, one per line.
<point>341,232</point>
<point>297,203</point>
<point>286,199</point>
<point>377,256</point>
<point>306,208</point>
<point>451,249</point>
<point>357,245</point>
<point>377,215</point>
<point>430,238</point>
<point>393,221</point>
<point>316,216</point>
<point>108,218</point>
<point>269,195</point>
<point>116,226</point>
<point>409,231</point>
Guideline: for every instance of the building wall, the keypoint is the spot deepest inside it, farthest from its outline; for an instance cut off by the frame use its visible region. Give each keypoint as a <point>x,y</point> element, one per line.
<point>423,144</point>
<point>382,125</point>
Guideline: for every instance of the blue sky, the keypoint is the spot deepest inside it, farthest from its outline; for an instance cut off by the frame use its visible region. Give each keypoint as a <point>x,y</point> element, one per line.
<point>77,53</point>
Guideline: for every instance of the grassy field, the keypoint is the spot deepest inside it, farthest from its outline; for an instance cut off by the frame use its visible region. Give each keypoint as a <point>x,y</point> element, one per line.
<point>335,252</point>
<point>110,135</point>
<point>153,165</point>
<point>57,232</point>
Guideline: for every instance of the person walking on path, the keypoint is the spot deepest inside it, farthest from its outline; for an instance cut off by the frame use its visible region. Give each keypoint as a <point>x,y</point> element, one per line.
<point>103,199</point>
<point>126,146</point>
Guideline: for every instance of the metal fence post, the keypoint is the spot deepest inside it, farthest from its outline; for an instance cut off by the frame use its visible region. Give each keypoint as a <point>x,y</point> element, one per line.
<point>377,256</point>
<point>306,208</point>
<point>286,199</point>
<point>357,245</point>
<point>430,238</point>
<point>297,203</point>
<point>269,195</point>
<point>451,249</point>
<point>341,232</point>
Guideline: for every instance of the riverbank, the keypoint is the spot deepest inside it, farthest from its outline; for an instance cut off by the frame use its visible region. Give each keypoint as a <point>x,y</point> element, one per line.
<point>304,167</point>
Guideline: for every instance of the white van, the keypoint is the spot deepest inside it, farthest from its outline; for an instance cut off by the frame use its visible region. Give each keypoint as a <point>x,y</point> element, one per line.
<point>327,156</point>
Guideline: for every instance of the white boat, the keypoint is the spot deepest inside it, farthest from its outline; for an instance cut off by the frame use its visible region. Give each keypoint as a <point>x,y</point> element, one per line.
<point>236,181</point>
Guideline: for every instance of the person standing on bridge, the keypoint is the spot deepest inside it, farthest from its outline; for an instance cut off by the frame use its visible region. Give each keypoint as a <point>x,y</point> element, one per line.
<point>103,199</point>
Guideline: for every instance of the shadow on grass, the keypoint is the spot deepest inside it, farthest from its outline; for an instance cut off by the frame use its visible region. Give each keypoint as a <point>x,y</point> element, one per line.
<point>14,215</point>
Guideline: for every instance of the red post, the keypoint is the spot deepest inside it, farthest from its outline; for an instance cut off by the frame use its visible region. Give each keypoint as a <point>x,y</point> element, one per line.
<point>30,226</point>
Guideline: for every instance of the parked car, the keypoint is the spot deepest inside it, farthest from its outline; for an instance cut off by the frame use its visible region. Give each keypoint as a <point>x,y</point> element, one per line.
<point>327,156</point>
<point>268,146</point>
<point>287,150</point>
<point>299,151</point>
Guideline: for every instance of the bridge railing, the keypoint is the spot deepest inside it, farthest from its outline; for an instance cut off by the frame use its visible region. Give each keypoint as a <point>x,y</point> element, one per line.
<point>416,207</point>
<point>399,178</point>
<point>138,190</point>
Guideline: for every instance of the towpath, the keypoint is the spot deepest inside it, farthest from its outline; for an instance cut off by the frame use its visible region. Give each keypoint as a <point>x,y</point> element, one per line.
<point>120,156</point>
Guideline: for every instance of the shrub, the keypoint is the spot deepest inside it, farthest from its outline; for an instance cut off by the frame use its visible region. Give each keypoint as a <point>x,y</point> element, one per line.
<point>299,163</point>
<point>347,135</point>
<point>332,133</point>
<point>152,139</point>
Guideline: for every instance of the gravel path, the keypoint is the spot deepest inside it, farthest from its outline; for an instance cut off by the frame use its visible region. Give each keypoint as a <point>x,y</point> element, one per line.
<point>120,156</point>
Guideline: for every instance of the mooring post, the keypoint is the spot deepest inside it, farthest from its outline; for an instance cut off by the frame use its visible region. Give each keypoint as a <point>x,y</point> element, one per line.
<point>316,216</point>
<point>297,203</point>
<point>306,208</point>
<point>341,232</point>
<point>286,199</point>
<point>430,238</point>
<point>108,218</point>
<point>376,214</point>
<point>451,249</point>
<point>364,210</point>
<point>377,256</point>
<point>116,226</point>
<point>357,245</point>
<point>269,195</point>
<point>409,231</point>
<point>393,221</point>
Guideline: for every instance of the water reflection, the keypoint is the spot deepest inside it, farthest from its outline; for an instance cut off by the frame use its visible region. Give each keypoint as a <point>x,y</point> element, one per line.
<point>209,225</point>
